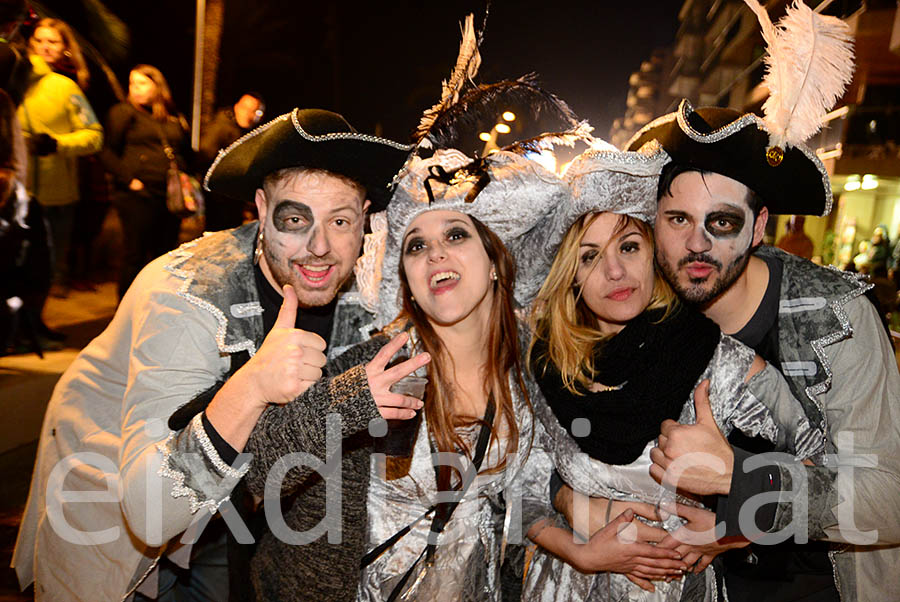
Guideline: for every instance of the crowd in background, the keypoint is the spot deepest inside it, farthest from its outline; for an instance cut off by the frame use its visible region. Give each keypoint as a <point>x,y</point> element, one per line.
<point>73,166</point>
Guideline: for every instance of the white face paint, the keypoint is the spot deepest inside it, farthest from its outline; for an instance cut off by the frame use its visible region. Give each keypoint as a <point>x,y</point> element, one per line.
<point>705,234</point>
<point>313,228</point>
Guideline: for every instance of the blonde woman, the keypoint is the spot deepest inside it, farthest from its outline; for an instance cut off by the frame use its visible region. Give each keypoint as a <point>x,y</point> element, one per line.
<point>54,42</point>
<point>137,134</point>
<point>615,354</point>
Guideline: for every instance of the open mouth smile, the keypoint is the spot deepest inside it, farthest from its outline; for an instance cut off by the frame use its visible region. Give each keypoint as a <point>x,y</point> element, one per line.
<point>442,282</point>
<point>315,275</point>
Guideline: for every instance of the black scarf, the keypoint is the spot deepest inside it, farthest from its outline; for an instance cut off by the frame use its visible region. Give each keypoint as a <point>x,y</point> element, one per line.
<point>653,368</point>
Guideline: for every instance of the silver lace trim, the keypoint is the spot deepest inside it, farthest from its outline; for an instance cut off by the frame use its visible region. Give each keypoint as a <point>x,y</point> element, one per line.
<point>239,141</point>
<point>210,450</point>
<point>181,255</point>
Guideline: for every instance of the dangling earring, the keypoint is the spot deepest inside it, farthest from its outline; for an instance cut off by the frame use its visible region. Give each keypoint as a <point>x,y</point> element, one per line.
<point>259,247</point>
<point>493,274</point>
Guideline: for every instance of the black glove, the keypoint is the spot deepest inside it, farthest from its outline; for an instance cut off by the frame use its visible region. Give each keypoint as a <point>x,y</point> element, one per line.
<point>43,145</point>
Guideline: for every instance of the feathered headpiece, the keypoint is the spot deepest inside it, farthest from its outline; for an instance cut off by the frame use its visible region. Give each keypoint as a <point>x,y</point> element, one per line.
<point>443,124</point>
<point>809,63</point>
<point>465,69</point>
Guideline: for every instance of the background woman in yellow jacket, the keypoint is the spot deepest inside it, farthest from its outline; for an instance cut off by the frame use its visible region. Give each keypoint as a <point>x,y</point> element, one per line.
<point>59,125</point>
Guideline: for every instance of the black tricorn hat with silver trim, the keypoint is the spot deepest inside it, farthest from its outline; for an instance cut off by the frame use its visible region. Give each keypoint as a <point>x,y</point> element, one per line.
<point>736,145</point>
<point>312,138</point>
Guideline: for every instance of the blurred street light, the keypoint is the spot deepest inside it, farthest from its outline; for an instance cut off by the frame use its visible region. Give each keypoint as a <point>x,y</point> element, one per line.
<point>484,136</point>
<point>869,182</point>
<point>502,128</point>
<point>509,116</point>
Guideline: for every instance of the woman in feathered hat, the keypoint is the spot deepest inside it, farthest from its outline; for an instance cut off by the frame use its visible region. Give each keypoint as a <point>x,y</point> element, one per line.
<point>448,276</point>
<point>615,354</point>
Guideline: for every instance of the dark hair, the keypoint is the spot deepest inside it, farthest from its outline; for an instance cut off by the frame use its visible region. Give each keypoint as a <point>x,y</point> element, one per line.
<point>673,170</point>
<point>503,359</point>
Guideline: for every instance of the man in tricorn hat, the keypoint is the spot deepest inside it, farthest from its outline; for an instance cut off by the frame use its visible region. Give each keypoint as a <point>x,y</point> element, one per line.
<point>146,426</point>
<point>826,528</point>
<point>818,327</point>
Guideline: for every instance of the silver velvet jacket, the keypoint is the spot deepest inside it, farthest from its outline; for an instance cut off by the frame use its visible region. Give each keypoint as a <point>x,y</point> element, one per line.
<point>171,338</point>
<point>840,365</point>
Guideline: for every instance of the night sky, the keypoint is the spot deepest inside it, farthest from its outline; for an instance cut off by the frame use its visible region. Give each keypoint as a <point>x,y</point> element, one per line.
<point>381,64</point>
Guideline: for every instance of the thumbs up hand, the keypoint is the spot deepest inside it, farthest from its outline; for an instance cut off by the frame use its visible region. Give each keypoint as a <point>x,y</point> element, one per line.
<point>694,457</point>
<point>289,361</point>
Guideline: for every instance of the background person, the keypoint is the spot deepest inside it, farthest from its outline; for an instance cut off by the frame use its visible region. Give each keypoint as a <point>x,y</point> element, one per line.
<point>54,41</point>
<point>59,126</point>
<point>136,133</point>
<point>228,125</point>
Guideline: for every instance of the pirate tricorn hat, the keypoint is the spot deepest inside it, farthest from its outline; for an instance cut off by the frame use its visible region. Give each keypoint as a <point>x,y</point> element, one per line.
<point>809,63</point>
<point>312,138</point>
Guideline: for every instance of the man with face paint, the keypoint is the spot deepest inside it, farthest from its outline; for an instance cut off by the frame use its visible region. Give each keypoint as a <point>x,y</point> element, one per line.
<point>209,339</point>
<point>818,327</point>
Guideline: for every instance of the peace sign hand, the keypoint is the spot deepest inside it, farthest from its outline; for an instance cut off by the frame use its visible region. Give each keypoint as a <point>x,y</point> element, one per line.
<point>393,406</point>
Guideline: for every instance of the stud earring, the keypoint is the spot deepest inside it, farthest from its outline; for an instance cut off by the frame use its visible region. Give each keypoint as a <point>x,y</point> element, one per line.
<point>493,274</point>
<point>259,247</point>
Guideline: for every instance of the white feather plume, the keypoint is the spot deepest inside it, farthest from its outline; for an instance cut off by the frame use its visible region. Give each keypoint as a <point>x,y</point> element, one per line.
<point>809,64</point>
<point>467,63</point>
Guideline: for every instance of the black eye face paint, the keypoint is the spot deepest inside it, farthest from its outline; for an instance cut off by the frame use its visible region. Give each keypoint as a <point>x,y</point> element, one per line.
<point>724,224</point>
<point>292,217</point>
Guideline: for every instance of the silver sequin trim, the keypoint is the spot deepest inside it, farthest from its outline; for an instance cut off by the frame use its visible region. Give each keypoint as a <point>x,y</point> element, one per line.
<point>819,344</point>
<point>349,298</point>
<point>238,142</point>
<point>345,135</point>
<point>244,310</point>
<point>210,450</point>
<point>181,255</point>
<point>179,489</point>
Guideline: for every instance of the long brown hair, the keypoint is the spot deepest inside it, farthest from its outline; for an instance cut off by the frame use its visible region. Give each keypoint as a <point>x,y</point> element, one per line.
<point>72,50</point>
<point>502,353</point>
<point>162,106</point>
<point>563,321</point>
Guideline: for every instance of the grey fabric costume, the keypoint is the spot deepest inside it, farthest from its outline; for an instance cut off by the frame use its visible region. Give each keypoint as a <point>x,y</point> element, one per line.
<point>498,507</point>
<point>171,338</point>
<point>763,407</point>
<point>839,364</point>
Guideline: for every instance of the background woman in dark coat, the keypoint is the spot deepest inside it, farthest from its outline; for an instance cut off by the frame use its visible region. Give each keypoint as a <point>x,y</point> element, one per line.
<point>134,154</point>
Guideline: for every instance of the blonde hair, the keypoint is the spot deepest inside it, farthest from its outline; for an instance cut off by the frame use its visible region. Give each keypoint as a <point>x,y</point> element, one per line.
<point>563,321</point>
<point>72,49</point>
<point>162,107</point>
